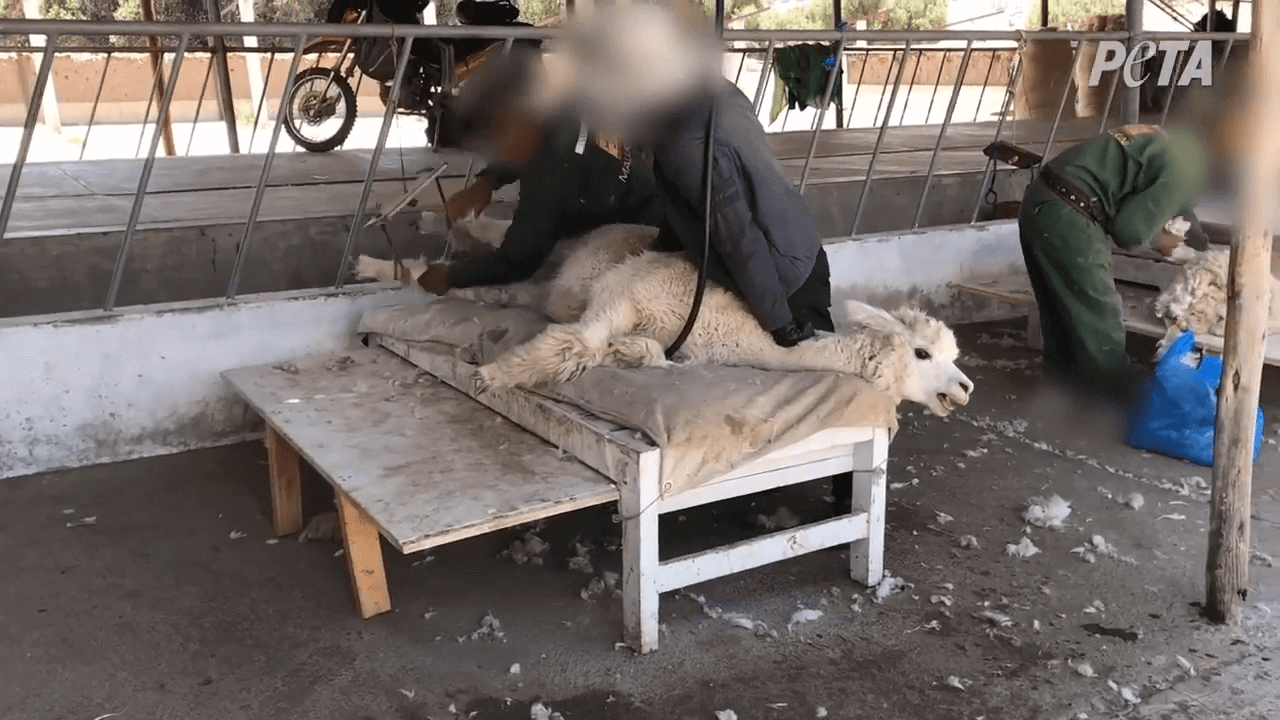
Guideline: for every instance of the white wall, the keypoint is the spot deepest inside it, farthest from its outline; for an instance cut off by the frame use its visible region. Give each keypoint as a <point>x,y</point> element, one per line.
<point>87,388</point>
<point>891,268</point>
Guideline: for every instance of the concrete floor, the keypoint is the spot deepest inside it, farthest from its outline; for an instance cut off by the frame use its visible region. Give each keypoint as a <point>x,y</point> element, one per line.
<point>157,611</point>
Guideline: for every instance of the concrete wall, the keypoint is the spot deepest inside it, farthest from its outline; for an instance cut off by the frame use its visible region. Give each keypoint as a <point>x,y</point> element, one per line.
<point>69,272</point>
<point>894,268</point>
<point>77,76</point>
<point>990,67</point>
<point>88,388</point>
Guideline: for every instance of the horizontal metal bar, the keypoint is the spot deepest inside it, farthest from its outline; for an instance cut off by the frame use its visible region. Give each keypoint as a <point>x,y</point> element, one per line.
<point>133,49</point>
<point>94,27</point>
<point>97,27</point>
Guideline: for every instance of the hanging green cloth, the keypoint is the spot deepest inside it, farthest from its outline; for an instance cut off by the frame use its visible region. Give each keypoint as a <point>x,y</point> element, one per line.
<point>802,77</point>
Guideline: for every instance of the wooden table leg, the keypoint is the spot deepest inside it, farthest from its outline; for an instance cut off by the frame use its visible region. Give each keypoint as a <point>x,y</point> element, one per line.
<point>364,558</point>
<point>870,460</point>
<point>286,484</point>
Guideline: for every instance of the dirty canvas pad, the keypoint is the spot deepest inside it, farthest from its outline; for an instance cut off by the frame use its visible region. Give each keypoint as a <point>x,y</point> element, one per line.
<point>707,419</point>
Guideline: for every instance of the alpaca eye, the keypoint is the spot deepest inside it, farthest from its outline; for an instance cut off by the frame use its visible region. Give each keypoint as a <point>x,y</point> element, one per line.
<point>922,354</point>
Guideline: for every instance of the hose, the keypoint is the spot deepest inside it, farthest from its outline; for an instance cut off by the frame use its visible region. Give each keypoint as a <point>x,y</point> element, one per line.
<point>708,162</point>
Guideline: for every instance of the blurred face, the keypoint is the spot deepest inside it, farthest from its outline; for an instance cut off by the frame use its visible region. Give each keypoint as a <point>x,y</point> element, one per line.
<point>517,136</point>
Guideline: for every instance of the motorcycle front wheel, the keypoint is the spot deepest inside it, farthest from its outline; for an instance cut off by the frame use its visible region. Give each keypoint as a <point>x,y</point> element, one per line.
<point>320,110</point>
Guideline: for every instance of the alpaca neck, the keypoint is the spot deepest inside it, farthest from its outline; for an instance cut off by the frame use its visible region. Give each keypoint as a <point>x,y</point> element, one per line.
<point>822,353</point>
<point>863,356</point>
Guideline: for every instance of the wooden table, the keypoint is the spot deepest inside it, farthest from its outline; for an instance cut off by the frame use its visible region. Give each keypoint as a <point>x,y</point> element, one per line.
<point>423,464</point>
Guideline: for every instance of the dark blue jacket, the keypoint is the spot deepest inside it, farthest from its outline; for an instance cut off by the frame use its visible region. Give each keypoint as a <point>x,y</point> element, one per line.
<point>763,240</point>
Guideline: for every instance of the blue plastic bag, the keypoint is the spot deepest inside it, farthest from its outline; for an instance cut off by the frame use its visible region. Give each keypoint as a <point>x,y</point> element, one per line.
<point>1175,411</point>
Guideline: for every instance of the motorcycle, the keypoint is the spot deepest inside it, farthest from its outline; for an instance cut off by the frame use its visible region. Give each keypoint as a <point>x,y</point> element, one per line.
<point>320,110</point>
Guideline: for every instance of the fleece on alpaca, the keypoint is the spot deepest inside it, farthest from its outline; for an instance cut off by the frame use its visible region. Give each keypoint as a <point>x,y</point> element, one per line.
<point>634,309</point>
<point>1196,299</point>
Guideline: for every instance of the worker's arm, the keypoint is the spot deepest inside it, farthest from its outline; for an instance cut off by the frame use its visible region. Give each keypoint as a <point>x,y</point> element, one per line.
<point>534,229</point>
<point>498,175</point>
<point>1142,215</point>
<point>734,234</point>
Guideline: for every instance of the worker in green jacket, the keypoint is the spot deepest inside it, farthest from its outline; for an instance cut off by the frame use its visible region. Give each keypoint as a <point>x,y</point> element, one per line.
<point>1124,185</point>
<point>571,181</point>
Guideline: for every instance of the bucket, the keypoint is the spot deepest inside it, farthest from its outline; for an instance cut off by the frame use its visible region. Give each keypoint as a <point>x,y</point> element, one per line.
<point>1046,74</point>
<point>1007,210</point>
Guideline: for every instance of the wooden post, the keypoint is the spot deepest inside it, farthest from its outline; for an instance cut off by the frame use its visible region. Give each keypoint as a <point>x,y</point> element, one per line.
<point>148,11</point>
<point>253,61</point>
<point>1249,291</point>
<point>226,104</point>
<point>49,113</point>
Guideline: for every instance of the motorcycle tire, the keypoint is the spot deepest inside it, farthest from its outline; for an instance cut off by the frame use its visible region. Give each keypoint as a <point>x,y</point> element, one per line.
<point>293,123</point>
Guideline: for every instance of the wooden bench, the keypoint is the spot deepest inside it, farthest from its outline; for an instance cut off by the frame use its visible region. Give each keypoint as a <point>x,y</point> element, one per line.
<point>423,465</point>
<point>1135,298</point>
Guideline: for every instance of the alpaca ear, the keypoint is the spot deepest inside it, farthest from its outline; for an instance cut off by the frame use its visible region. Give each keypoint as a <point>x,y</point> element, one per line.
<point>864,314</point>
<point>910,315</point>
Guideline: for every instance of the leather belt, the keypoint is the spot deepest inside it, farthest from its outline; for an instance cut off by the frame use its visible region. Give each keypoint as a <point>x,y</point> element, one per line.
<point>1073,195</point>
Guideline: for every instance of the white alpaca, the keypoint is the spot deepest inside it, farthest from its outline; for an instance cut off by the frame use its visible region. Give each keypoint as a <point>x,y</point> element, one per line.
<point>635,308</point>
<point>558,288</point>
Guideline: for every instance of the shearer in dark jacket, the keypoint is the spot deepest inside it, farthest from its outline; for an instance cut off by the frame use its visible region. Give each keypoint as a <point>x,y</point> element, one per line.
<point>764,244</point>
<point>571,181</point>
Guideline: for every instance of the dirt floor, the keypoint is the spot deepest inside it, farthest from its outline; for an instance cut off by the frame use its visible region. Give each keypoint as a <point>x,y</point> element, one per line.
<point>177,602</point>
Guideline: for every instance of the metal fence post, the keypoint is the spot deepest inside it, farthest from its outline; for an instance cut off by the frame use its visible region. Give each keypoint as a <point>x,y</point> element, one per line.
<point>822,112</point>
<point>946,123</point>
<point>875,152</point>
<point>162,117</point>
<point>28,129</point>
<point>988,173</point>
<point>1062,105</point>
<point>236,270</point>
<point>764,78</point>
<point>392,99</point>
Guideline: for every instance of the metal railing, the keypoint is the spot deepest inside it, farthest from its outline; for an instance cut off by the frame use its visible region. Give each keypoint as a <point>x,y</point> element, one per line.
<point>903,46</point>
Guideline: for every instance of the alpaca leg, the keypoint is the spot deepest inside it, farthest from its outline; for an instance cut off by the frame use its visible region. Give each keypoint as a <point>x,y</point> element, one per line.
<point>635,351</point>
<point>560,353</point>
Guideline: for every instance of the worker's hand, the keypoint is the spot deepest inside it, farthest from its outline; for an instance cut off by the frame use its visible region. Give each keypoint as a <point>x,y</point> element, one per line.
<point>790,335</point>
<point>470,201</point>
<point>1178,226</point>
<point>1169,242</point>
<point>435,280</point>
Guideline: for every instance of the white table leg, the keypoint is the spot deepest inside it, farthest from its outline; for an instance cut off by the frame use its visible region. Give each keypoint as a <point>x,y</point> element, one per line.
<point>870,461</point>
<point>639,509</point>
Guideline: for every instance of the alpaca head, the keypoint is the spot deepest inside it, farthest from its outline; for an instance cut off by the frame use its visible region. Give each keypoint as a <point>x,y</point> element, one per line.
<point>923,354</point>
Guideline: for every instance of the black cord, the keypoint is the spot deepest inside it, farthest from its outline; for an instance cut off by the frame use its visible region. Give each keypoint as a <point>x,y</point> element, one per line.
<point>707,168</point>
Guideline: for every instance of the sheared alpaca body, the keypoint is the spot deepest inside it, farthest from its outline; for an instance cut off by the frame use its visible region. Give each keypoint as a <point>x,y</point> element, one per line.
<point>1197,297</point>
<point>559,288</point>
<point>635,308</point>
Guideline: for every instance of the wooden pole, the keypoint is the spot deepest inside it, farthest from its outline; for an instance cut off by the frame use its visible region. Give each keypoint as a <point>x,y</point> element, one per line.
<point>148,12</point>
<point>1227,568</point>
<point>226,104</point>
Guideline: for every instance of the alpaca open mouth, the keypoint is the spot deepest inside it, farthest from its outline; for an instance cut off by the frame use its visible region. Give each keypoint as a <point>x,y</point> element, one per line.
<point>946,402</point>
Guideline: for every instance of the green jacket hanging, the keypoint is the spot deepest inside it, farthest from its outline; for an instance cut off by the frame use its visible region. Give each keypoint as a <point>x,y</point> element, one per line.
<point>802,77</point>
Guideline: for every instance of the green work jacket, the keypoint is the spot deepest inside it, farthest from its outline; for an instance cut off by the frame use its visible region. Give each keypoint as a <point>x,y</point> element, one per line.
<point>1139,184</point>
<point>574,187</point>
